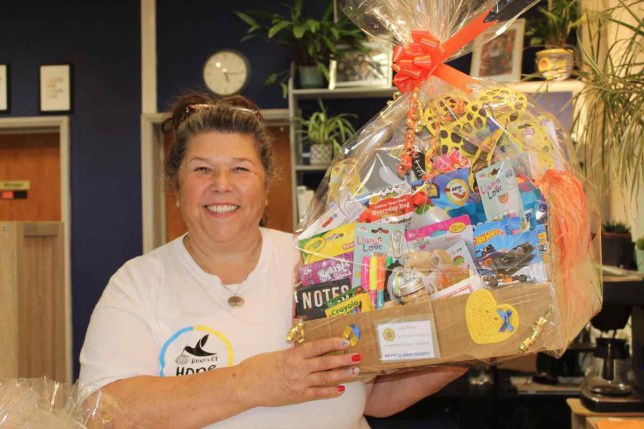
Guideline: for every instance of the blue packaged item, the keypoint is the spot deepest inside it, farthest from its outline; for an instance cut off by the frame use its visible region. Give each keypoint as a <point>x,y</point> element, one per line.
<point>485,231</point>
<point>475,211</point>
<point>505,259</point>
<point>534,204</point>
<point>453,189</point>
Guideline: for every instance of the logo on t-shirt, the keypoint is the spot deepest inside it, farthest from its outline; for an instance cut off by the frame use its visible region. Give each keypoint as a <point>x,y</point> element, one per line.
<point>189,351</point>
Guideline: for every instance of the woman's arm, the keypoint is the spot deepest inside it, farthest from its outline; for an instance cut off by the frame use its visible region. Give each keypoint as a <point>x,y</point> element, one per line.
<point>390,394</point>
<point>285,377</point>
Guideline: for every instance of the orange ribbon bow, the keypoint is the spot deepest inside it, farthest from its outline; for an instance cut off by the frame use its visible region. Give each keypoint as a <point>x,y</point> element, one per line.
<point>423,58</point>
<point>425,55</point>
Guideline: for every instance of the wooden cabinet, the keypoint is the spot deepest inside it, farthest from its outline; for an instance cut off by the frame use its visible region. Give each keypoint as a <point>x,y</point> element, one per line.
<point>583,418</point>
<point>34,338</point>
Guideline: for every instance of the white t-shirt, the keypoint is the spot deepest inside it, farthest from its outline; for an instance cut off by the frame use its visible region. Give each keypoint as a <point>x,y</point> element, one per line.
<point>162,315</point>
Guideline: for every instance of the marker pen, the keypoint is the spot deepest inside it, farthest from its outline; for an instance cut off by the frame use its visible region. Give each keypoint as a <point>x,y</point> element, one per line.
<point>373,279</point>
<point>380,295</point>
<point>365,280</point>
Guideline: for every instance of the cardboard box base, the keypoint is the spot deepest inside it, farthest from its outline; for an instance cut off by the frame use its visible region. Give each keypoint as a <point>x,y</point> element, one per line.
<point>455,345</point>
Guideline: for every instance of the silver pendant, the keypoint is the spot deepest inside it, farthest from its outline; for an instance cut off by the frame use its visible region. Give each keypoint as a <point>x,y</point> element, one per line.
<point>235,301</point>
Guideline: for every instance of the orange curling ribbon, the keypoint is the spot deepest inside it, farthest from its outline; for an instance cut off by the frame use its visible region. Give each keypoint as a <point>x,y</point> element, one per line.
<point>423,58</point>
<point>425,55</point>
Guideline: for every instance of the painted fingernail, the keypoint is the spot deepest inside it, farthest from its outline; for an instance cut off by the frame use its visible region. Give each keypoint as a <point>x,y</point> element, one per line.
<point>345,343</point>
<point>341,388</point>
<point>356,357</point>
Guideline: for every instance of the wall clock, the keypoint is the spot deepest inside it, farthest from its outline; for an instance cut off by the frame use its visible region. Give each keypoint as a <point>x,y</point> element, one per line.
<point>226,72</point>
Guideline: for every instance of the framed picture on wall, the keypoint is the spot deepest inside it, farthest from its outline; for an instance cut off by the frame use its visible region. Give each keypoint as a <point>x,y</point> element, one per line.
<point>4,88</point>
<point>55,88</point>
<point>363,69</point>
<point>500,58</point>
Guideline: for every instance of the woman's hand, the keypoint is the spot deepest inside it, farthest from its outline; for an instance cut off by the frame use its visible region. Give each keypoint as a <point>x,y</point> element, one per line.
<point>285,377</point>
<point>299,374</point>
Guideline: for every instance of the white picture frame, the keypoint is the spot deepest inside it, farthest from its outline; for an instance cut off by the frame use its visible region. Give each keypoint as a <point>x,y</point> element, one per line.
<point>55,88</point>
<point>357,69</point>
<point>500,58</point>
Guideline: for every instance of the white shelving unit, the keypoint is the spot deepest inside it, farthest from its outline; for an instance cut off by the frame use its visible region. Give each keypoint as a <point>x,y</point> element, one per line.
<point>572,86</point>
<point>569,87</point>
<point>298,168</point>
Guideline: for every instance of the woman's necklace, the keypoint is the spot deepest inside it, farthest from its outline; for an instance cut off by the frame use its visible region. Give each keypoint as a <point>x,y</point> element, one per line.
<point>235,300</point>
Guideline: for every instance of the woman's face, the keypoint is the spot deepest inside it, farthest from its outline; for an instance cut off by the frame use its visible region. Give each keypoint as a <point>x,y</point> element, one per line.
<point>221,187</point>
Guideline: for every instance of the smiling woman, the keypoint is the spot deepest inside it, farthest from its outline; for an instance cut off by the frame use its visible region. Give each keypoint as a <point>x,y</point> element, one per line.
<point>207,314</point>
<point>200,323</point>
<point>221,192</point>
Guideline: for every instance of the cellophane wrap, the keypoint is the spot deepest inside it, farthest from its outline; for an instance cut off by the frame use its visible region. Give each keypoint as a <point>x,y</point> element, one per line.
<point>472,237</point>
<point>42,403</point>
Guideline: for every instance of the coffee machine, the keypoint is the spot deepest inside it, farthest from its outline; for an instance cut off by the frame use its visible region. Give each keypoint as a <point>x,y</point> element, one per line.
<point>615,380</point>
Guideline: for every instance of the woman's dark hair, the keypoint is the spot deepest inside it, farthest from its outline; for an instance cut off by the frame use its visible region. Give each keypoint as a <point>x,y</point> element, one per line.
<point>196,113</point>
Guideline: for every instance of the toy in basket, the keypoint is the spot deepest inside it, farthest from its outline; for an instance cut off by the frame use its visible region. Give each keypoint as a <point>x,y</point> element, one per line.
<point>453,226</point>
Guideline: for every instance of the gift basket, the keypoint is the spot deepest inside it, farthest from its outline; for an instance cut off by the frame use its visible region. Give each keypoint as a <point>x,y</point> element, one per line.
<point>454,226</point>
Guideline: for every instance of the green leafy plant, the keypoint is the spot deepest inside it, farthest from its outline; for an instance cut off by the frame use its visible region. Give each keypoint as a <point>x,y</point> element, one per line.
<point>322,128</point>
<point>615,227</point>
<point>553,27</point>
<point>311,42</point>
<point>639,244</point>
<point>609,119</point>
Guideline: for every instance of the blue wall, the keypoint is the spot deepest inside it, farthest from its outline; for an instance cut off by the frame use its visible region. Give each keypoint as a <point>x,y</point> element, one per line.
<point>102,42</point>
<point>188,32</point>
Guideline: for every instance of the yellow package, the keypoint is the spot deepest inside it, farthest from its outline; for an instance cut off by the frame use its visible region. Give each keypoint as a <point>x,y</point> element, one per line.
<point>361,302</point>
<point>335,242</point>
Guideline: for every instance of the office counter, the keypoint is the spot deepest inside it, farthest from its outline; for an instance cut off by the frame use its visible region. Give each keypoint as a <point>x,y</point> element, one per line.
<point>501,404</point>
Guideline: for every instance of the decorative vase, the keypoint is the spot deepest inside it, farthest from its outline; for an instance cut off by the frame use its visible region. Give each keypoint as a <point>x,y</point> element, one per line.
<point>310,77</point>
<point>321,154</point>
<point>555,64</point>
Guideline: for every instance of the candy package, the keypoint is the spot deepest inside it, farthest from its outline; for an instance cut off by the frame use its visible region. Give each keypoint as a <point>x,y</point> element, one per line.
<point>473,235</point>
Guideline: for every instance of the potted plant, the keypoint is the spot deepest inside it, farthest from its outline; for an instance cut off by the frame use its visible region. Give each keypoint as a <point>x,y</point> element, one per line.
<point>553,29</point>
<point>639,254</point>
<point>617,245</point>
<point>609,118</point>
<point>609,111</point>
<point>325,133</point>
<point>311,42</point>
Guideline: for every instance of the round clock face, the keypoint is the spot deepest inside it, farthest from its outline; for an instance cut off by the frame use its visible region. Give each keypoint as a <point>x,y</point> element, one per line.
<point>226,72</point>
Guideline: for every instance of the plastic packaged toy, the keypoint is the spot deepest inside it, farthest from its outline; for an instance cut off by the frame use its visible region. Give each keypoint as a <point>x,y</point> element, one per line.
<point>477,235</point>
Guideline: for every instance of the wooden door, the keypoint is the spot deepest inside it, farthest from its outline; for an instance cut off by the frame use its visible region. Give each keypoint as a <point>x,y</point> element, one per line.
<point>279,214</point>
<point>34,157</point>
<point>33,337</point>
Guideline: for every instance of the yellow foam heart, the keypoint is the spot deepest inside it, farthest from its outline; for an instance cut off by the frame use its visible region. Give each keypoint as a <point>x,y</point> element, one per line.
<point>484,323</point>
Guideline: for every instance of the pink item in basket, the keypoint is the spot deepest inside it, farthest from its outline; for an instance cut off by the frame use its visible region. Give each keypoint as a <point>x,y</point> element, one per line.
<point>338,268</point>
<point>442,235</point>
